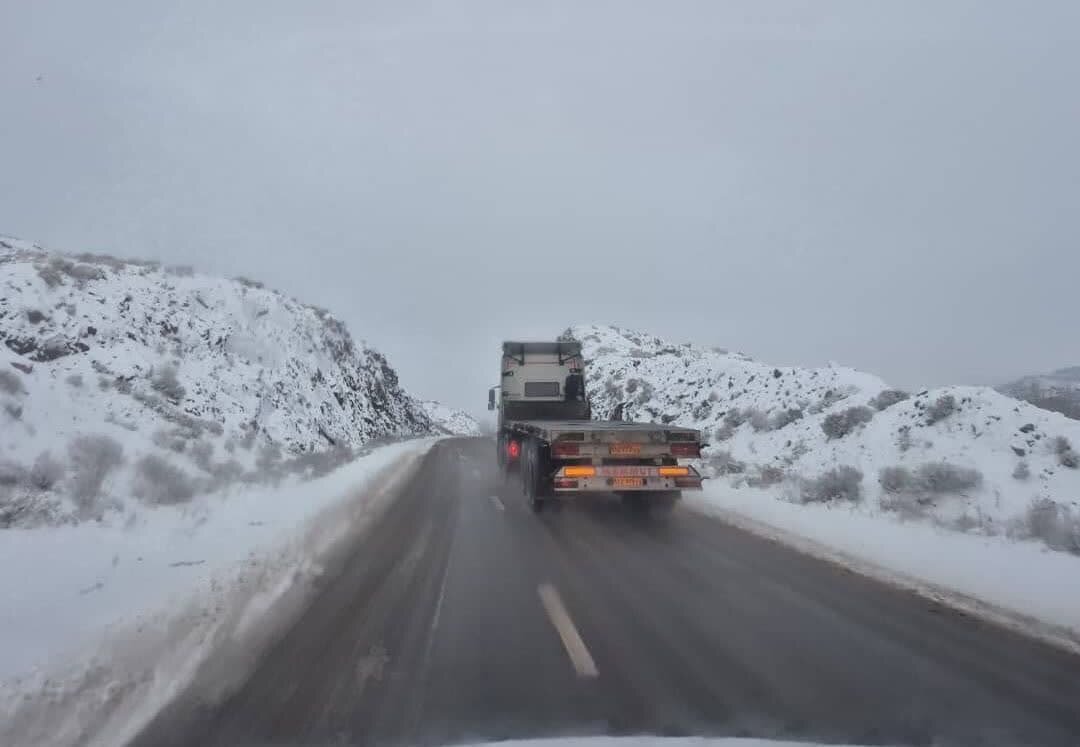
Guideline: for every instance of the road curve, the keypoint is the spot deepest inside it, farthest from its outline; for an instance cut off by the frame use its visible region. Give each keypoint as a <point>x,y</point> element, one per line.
<point>466,617</point>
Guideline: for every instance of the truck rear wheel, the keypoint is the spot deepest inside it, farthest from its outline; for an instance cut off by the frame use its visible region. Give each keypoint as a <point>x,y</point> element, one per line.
<point>535,474</point>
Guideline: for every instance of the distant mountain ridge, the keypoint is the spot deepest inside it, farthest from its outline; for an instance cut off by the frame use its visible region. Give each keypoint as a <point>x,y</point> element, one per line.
<point>1058,391</point>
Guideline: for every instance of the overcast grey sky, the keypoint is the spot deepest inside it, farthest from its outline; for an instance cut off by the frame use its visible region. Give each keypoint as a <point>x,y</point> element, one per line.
<point>895,186</point>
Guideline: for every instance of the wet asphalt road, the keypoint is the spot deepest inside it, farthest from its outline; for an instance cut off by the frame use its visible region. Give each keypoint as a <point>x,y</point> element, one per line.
<point>465,616</point>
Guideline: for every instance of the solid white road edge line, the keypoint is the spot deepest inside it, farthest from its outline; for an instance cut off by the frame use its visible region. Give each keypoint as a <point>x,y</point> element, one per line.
<point>498,503</point>
<point>560,618</point>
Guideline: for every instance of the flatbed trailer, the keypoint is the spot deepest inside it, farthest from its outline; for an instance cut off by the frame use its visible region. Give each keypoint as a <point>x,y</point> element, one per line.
<point>548,439</point>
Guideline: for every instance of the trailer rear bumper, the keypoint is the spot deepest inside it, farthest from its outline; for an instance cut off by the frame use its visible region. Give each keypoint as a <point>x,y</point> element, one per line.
<point>624,478</point>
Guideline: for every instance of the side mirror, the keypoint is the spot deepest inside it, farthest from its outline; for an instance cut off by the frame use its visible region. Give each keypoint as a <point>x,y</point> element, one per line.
<point>491,398</point>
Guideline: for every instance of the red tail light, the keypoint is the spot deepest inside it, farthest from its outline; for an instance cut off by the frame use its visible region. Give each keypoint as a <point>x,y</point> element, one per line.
<point>562,449</point>
<point>689,450</point>
<point>566,484</point>
<point>513,449</point>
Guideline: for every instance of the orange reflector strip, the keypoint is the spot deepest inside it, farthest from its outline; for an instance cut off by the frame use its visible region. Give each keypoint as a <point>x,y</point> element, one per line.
<point>674,471</point>
<point>579,471</point>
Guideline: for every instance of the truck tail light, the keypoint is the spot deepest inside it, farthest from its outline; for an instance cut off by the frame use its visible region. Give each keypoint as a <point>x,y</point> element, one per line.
<point>513,449</point>
<point>562,449</point>
<point>687,450</point>
<point>674,471</point>
<point>579,470</point>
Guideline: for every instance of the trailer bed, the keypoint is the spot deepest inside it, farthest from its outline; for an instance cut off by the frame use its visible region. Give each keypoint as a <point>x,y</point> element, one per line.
<point>602,430</point>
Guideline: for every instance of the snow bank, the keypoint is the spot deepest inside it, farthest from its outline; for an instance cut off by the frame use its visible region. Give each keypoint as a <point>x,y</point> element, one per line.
<point>104,624</point>
<point>1019,584</point>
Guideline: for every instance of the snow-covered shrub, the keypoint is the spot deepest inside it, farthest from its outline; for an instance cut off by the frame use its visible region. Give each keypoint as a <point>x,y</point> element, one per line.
<point>202,453</point>
<point>157,482</point>
<point>645,393</point>
<point>46,471</point>
<point>887,398</point>
<point>784,418</point>
<point>1067,457</point>
<point>173,440</point>
<point>1022,470</point>
<point>844,483</point>
<point>268,458</point>
<point>943,407</point>
<point>1056,525</point>
<point>75,380</point>
<point>93,457</point>
<point>314,464</point>
<point>723,433</point>
<point>766,475</point>
<point>13,409</point>
<point>11,473</point>
<point>734,418</point>
<point>701,410</point>
<point>166,383</point>
<point>907,505</point>
<point>937,478</point>
<point>895,479</point>
<point>722,463</point>
<point>758,420</point>
<point>839,424</point>
<point>10,383</point>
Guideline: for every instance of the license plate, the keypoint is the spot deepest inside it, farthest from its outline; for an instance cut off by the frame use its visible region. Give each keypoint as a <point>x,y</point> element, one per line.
<point>628,482</point>
<point>624,449</point>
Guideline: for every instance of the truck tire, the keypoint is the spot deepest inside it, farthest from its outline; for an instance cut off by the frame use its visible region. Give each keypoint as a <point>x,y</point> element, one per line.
<point>534,474</point>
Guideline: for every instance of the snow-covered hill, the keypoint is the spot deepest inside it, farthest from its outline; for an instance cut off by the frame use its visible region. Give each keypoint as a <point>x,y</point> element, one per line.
<point>1058,391</point>
<point>448,421</point>
<point>123,378</point>
<point>966,457</point>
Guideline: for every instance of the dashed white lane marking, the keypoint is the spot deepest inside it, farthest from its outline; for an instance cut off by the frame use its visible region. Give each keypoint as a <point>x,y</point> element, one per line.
<point>571,639</point>
<point>498,503</point>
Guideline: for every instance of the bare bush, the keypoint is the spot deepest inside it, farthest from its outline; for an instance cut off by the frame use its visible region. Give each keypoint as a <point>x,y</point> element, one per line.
<point>314,464</point>
<point>268,458</point>
<point>166,383</point>
<point>840,424</point>
<point>758,420</point>
<point>159,483</point>
<point>941,477</point>
<point>10,383</point>
<point>11,473</point>
<point>895,479</point>
<point>202,453</point>
<point>887,398</point>
<point>843,483</point>
<point>1066,456</point>
<point>943,407</point>
<point>1056,525</point>
<point>173,440</point>
<point>46,471</point>
<point>645,393</point>
<point>723,433</point>
<point>75,380</point>
<point>722,463</point>
<point>907,505</point>
<point>784,418</point>
<point>1022,470</point>
<point>734,418</point>
<point>93,457</point>
<point>766,475</point>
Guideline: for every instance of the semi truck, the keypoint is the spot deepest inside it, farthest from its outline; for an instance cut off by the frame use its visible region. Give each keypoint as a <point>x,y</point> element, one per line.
<point>548,440</point>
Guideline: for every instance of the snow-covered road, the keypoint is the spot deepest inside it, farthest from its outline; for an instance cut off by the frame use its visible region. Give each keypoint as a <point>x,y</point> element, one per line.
<point>104,623</point>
